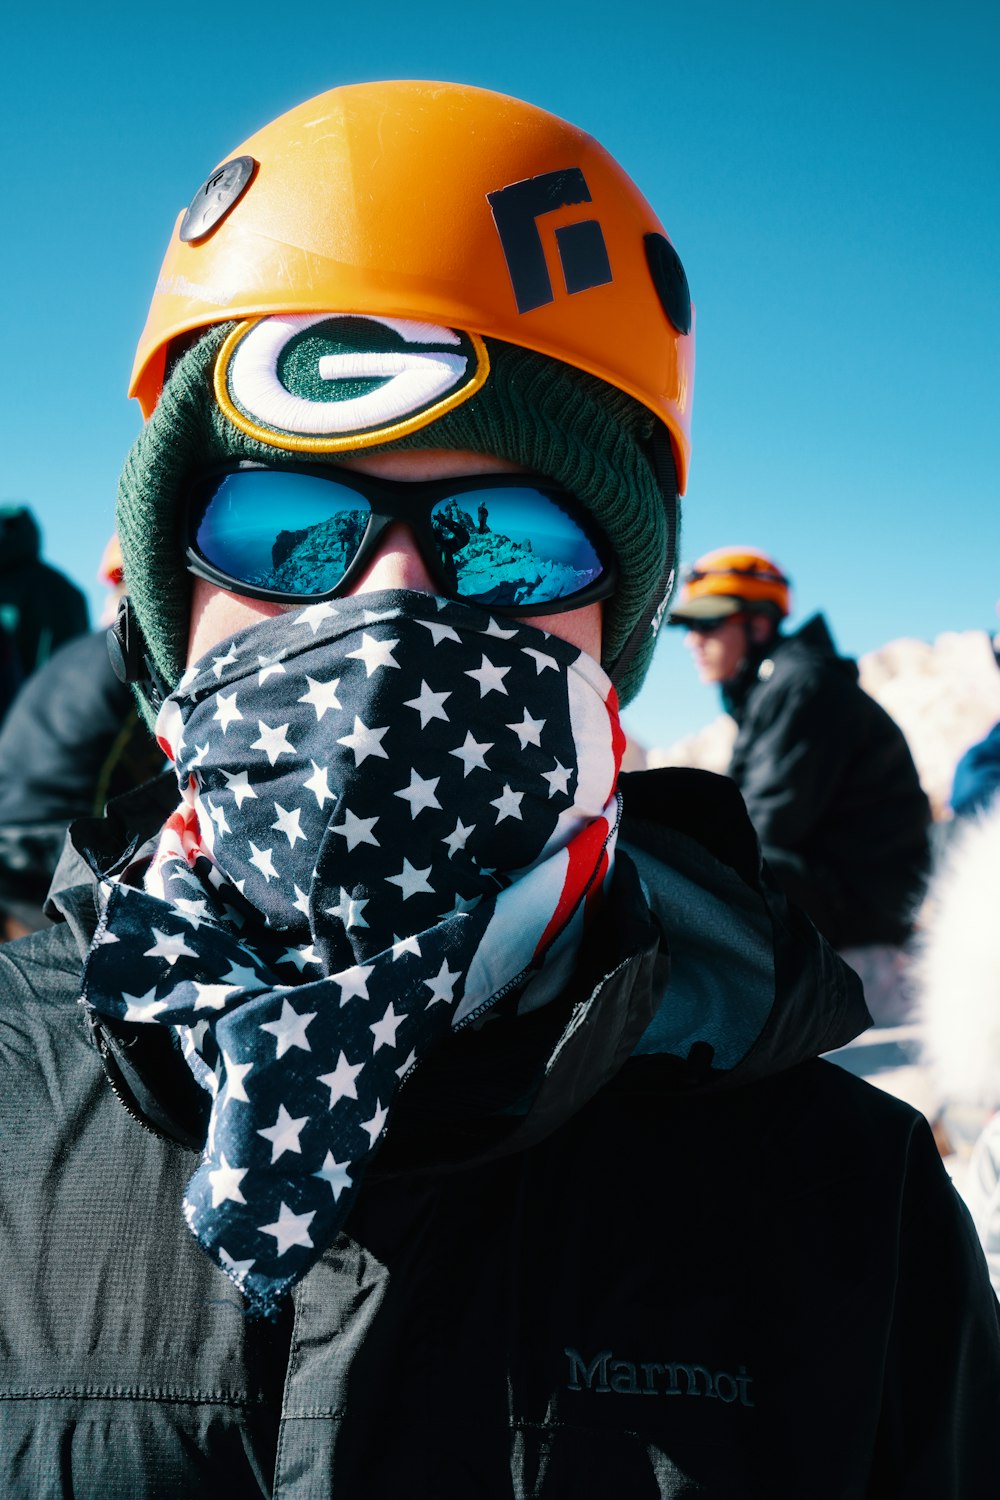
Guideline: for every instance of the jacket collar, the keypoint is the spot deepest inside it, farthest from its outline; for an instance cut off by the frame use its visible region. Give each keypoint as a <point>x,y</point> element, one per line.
<point>697,964</point>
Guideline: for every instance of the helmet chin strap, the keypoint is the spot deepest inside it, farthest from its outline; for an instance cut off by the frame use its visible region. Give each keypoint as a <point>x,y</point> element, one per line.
<point>665,470</point>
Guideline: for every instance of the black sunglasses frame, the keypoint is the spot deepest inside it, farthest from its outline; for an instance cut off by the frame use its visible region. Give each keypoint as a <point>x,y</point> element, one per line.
<point>411,502</point>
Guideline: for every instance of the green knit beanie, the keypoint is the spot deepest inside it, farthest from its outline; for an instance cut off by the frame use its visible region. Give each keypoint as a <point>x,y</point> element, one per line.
<point>555,420</point>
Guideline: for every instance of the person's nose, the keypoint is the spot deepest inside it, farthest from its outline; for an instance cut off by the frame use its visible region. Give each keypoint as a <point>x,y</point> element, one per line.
<point>396,565</point>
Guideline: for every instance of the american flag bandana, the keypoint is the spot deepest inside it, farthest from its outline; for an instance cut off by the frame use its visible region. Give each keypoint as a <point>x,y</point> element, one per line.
<point>395,810</point>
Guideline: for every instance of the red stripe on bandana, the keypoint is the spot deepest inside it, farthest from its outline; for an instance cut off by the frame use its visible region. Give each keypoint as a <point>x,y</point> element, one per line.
<point>618,740</point>
<point>586,854</point>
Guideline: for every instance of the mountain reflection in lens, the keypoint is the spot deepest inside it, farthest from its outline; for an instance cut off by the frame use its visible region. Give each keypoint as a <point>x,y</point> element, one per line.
<point>512,547</point>
<point>297,534</point>
<point>307,551</point>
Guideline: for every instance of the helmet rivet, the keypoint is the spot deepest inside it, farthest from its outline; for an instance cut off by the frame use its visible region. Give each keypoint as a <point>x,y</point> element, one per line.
<point>216,196</point>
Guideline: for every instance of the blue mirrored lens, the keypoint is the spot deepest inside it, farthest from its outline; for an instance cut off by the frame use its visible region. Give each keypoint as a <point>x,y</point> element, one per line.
<point>296,533</point>
<point>512,547</point>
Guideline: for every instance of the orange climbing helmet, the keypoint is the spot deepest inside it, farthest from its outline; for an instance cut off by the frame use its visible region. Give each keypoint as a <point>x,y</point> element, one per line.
<point>443,204</point>
<point>731,581</point>
<point>110,570</point>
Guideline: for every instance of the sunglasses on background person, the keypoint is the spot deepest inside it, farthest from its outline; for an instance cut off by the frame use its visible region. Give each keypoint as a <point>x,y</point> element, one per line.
<point>301,534</point>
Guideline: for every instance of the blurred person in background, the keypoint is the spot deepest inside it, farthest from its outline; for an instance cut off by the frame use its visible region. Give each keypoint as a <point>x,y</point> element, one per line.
<point>977,776</point>
<point>826,774</point>
<point>10,671</point>
<point>73,740</point>
<point>39,606</point>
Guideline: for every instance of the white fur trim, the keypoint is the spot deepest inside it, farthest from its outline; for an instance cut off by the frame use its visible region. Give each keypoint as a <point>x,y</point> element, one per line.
<point>957,969</point>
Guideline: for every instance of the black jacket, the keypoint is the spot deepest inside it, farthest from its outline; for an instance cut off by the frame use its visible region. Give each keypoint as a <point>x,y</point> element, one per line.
<point>831,788</point>
<point>634,1244</point>
<point>72,741</point>
<point>38,604</point>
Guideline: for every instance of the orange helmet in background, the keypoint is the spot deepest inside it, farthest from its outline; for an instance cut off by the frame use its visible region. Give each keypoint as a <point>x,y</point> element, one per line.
<point>439,203</point>
<point>731,581</point>
<point>110,569</point>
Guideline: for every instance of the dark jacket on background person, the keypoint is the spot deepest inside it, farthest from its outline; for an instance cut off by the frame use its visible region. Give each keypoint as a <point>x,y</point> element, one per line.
<point>72,741</point>
<point>10,671</point>
<point>38,604</point>
<point>639,1242</point>
<point>977,776</point>
<point>831,788</point>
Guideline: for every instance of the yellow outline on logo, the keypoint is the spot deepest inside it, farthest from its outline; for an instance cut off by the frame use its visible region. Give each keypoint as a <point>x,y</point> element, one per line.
<point>346,442</point>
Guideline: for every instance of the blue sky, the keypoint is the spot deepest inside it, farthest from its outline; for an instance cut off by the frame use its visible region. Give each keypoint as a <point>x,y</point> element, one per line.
<point>827,172</point>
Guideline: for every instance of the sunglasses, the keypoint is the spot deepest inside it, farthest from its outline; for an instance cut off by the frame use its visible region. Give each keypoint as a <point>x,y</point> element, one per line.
<point>515,543</point>
<point>709,623</point>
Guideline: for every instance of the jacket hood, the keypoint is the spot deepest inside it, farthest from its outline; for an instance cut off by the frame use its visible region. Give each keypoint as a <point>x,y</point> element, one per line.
<point>20,539</point>
<point>697,969</point>
<point>813,641</point>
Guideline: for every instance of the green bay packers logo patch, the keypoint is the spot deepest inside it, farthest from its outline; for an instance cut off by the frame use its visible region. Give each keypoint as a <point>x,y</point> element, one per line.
<point>327,382</point>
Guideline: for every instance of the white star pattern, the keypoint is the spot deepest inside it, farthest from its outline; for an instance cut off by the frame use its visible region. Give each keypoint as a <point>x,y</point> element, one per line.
<point>341,1081</point>
<point>314,615</point>
<point>541,659</point>
<point>374,654</point>
<point>405,1067</point>
<point>291,1001</point>
<point>225,1182</point>
<point>322,696</point>
<point>290,1229</point>
<point>558,779</point>
<point>319,785</point>
<point>170,947</point>
<point>289,822</point>
<point>237,1268</point>
<point>420,793</point>
<point>218,817</point>
<point>428,705</point>
<point>238,783</point>
<point>440,632</point>
<point>508,804</point>
<point>376,1124</point>
<point>490,677</point>
<point>211,996</point>
<point>349,909</point>
<point>143,1008</point>
<point>264,861</point>
<point>364,742</point>
<point>354,982</point>
<point>336,1173</point>
<point>244,978</point>
<point>269,666</point>
<point>289,1030</point>
<point>219,663</point>
<point>495,629</point>
<point>194,912</point>
<point>273,741</point>
<point>529,730</point>
<point>384,1031</point>
<point>357,830</point>
<point>235,1074</point>
<point>458,837</point>
<point>227,713</point>
<point>472,754</point>
<point>442,986</point>
<point>405,945</point>
<point>284,1133</point>
<point>411,882</point>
